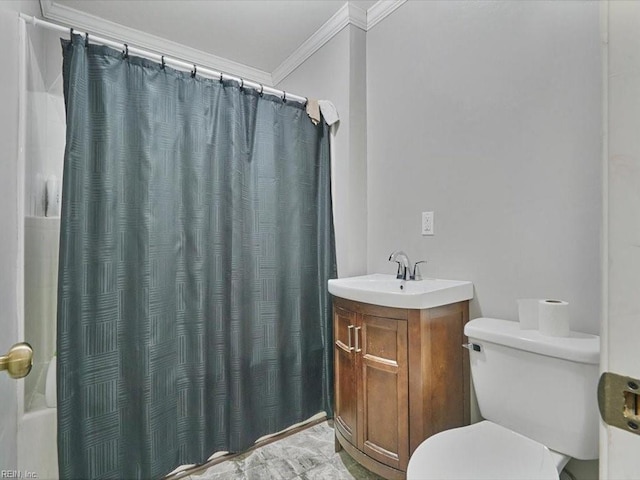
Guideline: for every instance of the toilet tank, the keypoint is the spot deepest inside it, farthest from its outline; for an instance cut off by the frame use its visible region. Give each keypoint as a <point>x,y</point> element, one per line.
<point>542,387</point>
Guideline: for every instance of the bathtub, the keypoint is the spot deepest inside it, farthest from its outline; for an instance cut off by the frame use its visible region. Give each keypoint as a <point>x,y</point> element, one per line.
<point>37,443</point>
<point>38,428</point>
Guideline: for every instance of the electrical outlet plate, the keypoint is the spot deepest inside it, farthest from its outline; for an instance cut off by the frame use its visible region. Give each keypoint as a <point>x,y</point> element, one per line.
<point>427,223</point>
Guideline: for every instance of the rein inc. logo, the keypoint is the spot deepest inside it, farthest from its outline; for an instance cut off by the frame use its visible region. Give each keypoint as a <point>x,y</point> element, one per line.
<point>17,474</point>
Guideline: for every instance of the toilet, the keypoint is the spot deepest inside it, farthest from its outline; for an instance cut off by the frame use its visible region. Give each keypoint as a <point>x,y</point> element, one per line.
<point>537,395</point>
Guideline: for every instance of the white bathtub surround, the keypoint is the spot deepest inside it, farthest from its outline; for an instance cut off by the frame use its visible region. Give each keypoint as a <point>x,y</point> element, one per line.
<point>42,236</point>
<point>50,389</point>
<point>52,197</point>
<point>45,134</point>
<point>44,152</point>
<point>37,429</point>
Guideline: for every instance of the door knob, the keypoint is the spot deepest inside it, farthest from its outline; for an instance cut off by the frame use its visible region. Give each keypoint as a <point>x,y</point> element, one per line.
<point>18,361</point>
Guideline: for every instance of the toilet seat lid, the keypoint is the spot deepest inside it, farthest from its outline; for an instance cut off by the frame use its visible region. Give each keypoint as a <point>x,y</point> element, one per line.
<point>484,450</point>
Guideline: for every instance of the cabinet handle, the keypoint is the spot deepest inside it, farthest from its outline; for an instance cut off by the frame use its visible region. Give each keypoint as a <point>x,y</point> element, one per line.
<point>349,328</point>
<point>358,349</point>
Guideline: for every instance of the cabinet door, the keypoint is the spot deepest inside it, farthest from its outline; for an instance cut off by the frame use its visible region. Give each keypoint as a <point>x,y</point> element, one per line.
<point>346,393</point>
<point>384,410</point>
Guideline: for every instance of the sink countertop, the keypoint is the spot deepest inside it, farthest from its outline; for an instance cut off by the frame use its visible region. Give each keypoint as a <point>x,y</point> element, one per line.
<point>386,290</point>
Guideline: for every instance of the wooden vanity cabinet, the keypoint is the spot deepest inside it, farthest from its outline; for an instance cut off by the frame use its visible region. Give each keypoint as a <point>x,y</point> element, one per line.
<point>401,375</point>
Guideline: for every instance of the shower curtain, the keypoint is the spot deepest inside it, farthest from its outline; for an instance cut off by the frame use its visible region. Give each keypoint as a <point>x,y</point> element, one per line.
<point>196,245</point>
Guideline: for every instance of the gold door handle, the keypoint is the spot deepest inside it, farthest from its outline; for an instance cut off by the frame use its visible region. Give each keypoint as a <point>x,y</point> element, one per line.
<point>18,361</point>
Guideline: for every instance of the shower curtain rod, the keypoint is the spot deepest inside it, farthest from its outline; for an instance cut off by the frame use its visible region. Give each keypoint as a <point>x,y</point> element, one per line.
<point>162,59</point>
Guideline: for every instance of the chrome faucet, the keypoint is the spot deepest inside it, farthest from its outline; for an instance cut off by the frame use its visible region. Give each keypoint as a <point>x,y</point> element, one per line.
<point>404,265</point>
<point>416,270</point>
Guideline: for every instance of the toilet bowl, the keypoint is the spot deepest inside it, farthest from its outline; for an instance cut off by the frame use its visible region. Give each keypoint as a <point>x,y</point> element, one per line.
<point>537,395</point>
<point>484,451</point>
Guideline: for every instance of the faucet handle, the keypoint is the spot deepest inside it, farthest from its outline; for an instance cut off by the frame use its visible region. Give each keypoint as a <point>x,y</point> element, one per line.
<point>416,271</point>
<point>399,274</point>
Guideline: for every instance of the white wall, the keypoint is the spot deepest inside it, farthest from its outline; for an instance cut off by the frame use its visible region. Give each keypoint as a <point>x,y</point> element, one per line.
<point>489,114</point>
<point>622,330</point>
<point>336,72</point>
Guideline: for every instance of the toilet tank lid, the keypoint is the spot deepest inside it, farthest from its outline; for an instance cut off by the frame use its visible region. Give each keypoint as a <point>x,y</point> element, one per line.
<point>577,347</point>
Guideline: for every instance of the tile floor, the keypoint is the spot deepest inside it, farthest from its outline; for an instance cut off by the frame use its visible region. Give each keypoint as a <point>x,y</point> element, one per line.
<point>306,455</point>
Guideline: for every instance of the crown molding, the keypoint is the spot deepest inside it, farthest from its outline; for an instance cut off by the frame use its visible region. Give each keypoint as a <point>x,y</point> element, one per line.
<point>357,16</point>
<point>381,10</point>
<point>70,16</point>
<point>311,45</point>
<point>349,14</point>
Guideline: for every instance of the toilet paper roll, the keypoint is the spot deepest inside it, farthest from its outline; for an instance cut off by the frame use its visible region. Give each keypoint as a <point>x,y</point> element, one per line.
<point>528,313</point>
<point>553,318</point>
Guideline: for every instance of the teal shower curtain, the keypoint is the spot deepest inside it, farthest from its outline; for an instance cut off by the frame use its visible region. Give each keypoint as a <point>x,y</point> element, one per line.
<point>196,245</point>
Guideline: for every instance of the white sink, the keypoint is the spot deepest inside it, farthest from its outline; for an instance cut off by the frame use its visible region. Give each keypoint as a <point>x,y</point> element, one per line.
<point>388,291</point>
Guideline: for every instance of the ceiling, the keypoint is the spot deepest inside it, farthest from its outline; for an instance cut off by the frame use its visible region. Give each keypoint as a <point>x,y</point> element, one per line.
<point>258,33</point>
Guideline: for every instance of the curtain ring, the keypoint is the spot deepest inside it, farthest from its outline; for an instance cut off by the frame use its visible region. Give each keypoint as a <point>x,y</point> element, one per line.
<point>86,39</point>
<point>162,63</point>
<point>125,54</point>
<point>261,90</point>
<point>241,84</point>
<point>194,71</point>
<point>306,101</point>
<point>284,96</point>
<point>71,34</point>
<point>220,77</point>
